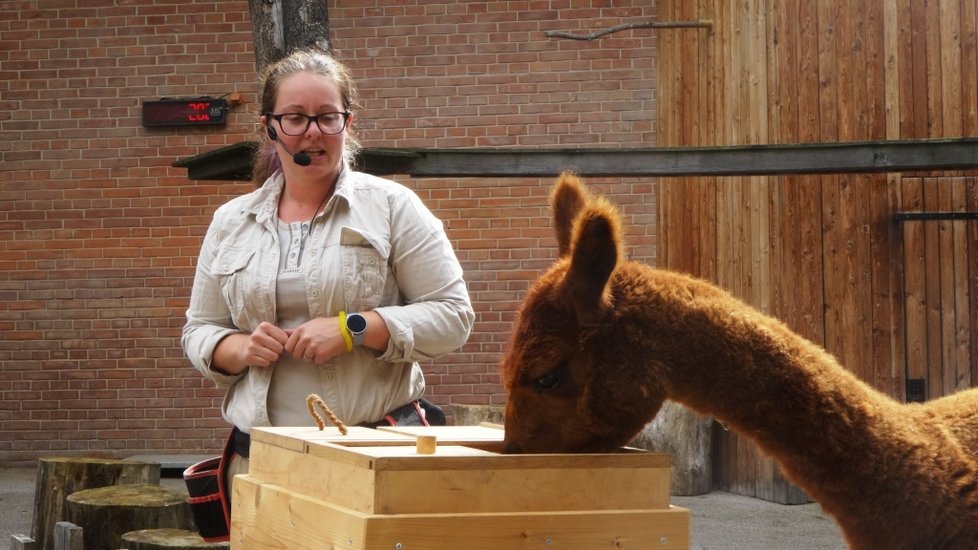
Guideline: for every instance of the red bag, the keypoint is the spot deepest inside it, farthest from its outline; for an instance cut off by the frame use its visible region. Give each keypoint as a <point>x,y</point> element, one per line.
<point>209,498</point>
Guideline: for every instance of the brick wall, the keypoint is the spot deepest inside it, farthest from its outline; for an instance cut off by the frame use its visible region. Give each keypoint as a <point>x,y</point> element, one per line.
<point>99,234</point>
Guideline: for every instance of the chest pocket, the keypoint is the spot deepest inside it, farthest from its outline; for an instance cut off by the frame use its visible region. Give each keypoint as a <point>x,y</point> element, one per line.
<point>229,268</point>
<point>365,269</point>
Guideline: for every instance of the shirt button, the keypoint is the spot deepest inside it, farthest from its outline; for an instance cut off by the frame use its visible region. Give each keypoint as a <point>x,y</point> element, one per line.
<point>329,376</point>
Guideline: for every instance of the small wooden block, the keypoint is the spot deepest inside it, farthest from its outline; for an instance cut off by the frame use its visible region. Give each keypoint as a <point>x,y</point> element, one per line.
<point>427,444</point>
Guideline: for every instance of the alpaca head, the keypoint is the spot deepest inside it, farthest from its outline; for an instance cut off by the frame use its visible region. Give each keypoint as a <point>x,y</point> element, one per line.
<point>573,382</point>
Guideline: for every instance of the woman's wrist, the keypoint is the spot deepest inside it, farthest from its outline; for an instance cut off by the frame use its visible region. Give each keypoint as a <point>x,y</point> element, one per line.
<point>366,329</point>
<point>229,355</point>
<point>345,332</point>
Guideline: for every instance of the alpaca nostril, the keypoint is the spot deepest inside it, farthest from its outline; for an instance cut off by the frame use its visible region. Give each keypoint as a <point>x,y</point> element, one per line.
<point>512,448</point>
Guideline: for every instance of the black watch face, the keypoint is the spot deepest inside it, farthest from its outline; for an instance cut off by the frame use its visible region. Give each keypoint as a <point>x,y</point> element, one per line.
<point>356,323</point>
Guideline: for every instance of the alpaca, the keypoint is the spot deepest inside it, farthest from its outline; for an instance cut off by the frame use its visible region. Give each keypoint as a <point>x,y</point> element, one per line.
<point>600,341</point>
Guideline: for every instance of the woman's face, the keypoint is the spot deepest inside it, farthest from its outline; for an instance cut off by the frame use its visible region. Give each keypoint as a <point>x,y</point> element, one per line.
<point>309,94</point>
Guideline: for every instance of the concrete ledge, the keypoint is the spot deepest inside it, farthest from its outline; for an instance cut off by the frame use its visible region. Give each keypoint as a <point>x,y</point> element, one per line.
<point>171,462</point>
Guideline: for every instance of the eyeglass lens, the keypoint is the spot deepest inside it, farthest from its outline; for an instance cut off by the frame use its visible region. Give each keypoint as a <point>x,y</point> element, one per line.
<point>296,124</point>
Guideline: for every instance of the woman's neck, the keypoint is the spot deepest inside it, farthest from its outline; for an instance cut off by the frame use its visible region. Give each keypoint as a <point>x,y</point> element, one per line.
<point>303,201</point>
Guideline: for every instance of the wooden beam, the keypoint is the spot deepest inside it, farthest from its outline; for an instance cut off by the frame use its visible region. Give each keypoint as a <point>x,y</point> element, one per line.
<point>820,158</point>
<point>234,162</point>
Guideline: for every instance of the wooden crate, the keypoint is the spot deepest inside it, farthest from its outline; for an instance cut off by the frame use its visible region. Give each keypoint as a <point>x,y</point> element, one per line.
<point>371,489</point>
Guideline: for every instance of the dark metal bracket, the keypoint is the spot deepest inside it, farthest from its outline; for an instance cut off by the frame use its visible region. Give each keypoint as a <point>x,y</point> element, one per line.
<point>934,216</point>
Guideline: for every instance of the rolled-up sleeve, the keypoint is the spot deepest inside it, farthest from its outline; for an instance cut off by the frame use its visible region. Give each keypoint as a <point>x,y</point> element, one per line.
<point>208,317</point>
<point>437,314</point>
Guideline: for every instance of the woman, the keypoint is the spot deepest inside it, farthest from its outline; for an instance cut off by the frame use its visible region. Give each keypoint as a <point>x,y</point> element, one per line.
<point>323,280</point>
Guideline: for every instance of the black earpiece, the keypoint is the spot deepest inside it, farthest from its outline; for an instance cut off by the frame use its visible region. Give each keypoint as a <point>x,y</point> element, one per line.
<point>300,158</point>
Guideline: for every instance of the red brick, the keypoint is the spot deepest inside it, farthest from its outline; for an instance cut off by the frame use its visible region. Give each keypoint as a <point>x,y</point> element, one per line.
<point>99,233</point>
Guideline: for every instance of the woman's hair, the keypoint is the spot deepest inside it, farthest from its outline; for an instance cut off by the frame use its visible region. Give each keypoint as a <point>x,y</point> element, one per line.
<point>266,162</point>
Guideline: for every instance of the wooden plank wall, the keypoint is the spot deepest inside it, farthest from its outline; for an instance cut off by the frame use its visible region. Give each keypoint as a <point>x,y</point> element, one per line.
<point>822,252</point>
<point>940,290</point>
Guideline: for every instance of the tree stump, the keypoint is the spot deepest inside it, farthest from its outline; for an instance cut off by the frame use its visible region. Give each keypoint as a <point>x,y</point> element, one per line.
<point>687,438</point>
<point>58,477</point>
<point>22,542</point>
<point>68,536</point>
<point>106,513</point>
<point>168,539</point>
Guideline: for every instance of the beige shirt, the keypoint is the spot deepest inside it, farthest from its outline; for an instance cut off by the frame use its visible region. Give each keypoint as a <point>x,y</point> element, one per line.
<point>374,247</point>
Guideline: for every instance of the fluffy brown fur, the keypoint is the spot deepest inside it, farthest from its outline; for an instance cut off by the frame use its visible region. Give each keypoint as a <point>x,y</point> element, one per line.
<point>600,342</point>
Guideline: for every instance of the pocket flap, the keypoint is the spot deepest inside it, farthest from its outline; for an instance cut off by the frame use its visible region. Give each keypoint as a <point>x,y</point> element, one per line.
<point>354,237</point>
<point>231,260</point>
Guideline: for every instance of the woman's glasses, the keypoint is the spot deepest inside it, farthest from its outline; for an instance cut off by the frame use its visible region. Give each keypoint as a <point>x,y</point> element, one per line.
<point>296,124</point>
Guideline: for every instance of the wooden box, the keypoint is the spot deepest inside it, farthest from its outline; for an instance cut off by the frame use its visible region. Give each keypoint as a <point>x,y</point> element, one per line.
<point>371,489</point>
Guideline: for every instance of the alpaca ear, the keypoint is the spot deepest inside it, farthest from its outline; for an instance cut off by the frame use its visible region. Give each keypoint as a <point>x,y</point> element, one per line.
<point>566,200</point>
<point>596,248</point>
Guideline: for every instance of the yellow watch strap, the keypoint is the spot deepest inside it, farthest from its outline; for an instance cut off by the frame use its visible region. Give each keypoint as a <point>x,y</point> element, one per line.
<point>347,337</point>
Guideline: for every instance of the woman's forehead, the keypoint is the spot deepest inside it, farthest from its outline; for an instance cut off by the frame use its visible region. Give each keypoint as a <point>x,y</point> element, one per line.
<point>304,89</point>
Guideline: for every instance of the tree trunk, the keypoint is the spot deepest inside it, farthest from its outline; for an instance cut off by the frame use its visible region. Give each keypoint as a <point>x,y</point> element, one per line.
<point>280,26</point>
<point>58,477</point>
<point>168,539</point>
<point>107,513</point>
<point>687,438</point>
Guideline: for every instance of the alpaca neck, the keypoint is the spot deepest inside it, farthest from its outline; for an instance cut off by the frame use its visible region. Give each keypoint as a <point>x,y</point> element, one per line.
<point>764,381</point>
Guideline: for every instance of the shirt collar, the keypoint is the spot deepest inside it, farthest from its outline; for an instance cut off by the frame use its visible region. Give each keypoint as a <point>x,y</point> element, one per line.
<point>265,203</point>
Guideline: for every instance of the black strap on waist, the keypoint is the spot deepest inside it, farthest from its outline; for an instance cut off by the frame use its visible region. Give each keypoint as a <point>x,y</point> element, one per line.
<point>242,442</point>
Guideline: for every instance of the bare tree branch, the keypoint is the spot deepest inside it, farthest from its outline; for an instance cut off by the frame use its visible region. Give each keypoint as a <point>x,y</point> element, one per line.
<point>703,23</point>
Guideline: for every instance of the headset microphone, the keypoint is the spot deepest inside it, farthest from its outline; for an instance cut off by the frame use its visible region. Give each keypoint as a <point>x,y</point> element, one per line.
<point>300,158</point>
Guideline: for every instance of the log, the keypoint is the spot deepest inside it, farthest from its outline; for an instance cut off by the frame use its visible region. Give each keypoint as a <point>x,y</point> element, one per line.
<point>59,476</point>
<point>687,438</point>
<point>68,536</point>
<point>107,513</point>
<point>474,415</point>
<point>168,539</point>
<point>22,542</point>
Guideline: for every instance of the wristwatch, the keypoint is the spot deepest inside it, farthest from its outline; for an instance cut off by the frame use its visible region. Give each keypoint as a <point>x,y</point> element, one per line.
<point>357,325</point>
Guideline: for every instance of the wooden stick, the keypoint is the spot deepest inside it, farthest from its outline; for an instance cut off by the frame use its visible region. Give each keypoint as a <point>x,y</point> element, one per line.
<point>702,23</point>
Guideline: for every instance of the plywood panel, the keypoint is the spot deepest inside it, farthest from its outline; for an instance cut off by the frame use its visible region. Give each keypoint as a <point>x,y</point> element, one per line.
<point>969,65</point>
<point>915,290</point>
<point>822,252</point>
<point>887,288</point>
<point>269,516</point>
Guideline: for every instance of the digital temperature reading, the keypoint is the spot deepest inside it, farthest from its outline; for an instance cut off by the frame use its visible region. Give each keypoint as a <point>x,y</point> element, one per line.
<point>185,112</point>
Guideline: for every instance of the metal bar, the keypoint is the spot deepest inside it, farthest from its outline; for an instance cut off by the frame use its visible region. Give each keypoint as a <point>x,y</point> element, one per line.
<point>934,216</point>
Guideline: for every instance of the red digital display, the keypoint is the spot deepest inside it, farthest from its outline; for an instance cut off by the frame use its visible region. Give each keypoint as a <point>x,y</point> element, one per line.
<point>185,112</point>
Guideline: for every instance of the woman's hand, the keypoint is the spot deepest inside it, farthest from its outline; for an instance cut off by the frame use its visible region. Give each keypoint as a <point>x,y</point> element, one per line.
<point>317,340</point>
<point>264,345</point>
<point>235,353</point>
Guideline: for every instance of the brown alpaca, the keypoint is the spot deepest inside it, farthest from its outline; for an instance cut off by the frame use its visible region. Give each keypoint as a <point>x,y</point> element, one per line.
<point>601,341</point>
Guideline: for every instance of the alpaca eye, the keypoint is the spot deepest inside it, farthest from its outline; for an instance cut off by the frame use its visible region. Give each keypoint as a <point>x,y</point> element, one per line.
<point>551,380</point>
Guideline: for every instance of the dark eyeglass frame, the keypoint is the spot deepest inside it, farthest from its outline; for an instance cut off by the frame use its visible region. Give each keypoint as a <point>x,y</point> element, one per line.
<point>309,120</point>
